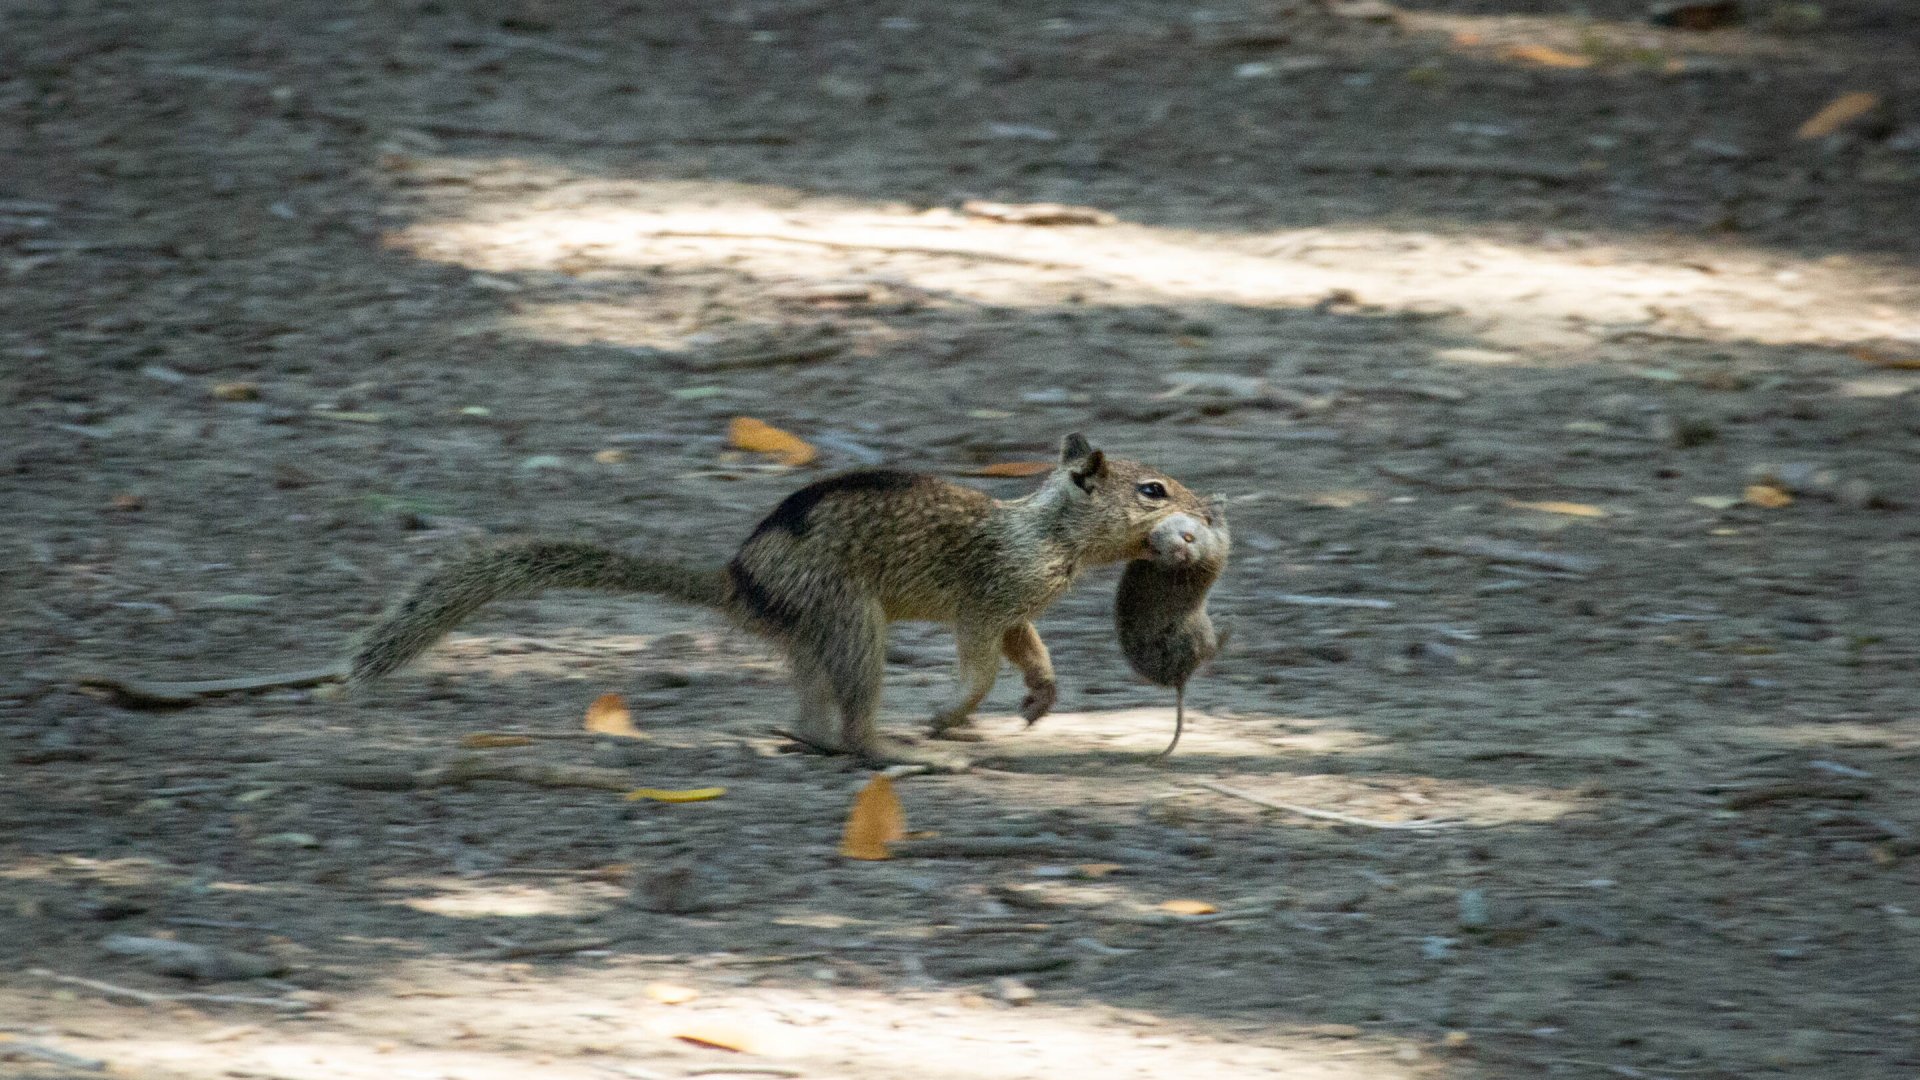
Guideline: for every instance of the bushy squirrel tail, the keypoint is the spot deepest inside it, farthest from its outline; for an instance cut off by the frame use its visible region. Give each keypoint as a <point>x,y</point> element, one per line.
<point>471,581</point>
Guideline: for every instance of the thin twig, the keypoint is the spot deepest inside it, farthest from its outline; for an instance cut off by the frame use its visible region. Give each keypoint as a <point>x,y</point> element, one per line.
<point>1422,825</point>
<point>1546,172</point>
<point>150,997</point>
<point>50,1054</point>
<point>142,692</point>
<point>555,947</point>
<point>1512,487</point>
<point>1502,551</point>
<point>843,245</point>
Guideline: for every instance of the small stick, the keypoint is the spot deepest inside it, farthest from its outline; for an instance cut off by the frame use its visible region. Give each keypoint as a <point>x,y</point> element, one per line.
<point>1020,847</point>
<point>745,1070</point>
<point>556,947</point>
<point>1502,551</point>
<point>1793,790</point>
<point>1422,825</point>
<point>1304,600</point>
<point>52,1055</point>
<point>142,692</point>
<point>149,997</point>
<point>843,245</point>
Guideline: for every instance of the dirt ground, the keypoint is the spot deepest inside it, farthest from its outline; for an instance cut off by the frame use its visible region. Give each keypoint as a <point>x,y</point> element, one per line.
<point>295,298</point>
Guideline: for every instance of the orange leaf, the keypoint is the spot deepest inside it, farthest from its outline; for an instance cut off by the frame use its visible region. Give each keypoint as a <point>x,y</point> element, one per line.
<point>699,794</point>
<point>1188,907</point>
<point>1885,359</point>
<point>746,433</point>
<point>489,742</point>
<point>876,821</point>
<point>1546,56</point>
<point>1837,114</point>
<point>1012,468</point>
<point>1767,496</point>
<point>608,715</point>
<point>670,993</point>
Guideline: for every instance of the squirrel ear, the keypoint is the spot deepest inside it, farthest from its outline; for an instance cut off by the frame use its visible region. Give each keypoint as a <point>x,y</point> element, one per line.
<point>1073,448</point>
<point>1088,469</point>
<point>1216,509</point>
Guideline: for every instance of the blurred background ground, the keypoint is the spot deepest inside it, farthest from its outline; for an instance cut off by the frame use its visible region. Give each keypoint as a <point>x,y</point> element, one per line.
<point>298,296</point>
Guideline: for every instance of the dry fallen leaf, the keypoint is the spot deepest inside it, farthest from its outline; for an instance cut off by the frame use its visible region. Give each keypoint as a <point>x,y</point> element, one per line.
<point>746,433</point>
<point>699,794</point>
<point>490,742</point>
<point>1098,869</point>
<point>876,821</point>
<point>1767,496</point>
<point>1011,468</point>
<point>608,715</point>
<point>236,391</point>
<point>1837,114</point>
<point>1546,56</point>
<point>1188,907</point>
<point>670,993</point>
<point>1883,359</point>
<point>610,456</point>
<point>1571,509</point>
<point>127,502</point>
<point>723,1033</point>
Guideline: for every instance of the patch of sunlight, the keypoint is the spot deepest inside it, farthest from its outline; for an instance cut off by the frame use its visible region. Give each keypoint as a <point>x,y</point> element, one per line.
<point>569,1025</point>
<point>1634,47</point>
<point>459,899</point>
<point>1532,301</point>
<point>1261,755</point>
<point>1146,730</point>
<point>1902,734</point>
<point>120,872</point>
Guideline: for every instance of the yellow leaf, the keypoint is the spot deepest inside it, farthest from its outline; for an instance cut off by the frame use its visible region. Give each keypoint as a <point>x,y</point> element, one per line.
<point>1188,907</point>
<point>1012,468</point>
<point>236,391</point>
<point>876,821</point>
<point>610,456</point>
<point>725,1034</point>
<point>608,715</point>
<point>746,433</point>
<point>1837,114</point>
<point>1546,56</point>
<point>1571,509</point>
<point>670,993</point>
<point>699,794</point>
<point>489,741</point>
<point>1767,496</point>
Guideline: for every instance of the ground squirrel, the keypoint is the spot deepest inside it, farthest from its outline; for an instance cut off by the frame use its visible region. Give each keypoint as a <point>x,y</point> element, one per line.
<point>1160,609</point>
<point>838,560</point>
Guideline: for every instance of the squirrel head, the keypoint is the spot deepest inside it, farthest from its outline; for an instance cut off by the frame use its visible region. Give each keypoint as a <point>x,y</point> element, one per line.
<point>1111,506</point>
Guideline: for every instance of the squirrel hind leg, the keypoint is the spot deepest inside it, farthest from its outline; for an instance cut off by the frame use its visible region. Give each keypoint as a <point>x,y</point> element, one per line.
<point>813,721</point>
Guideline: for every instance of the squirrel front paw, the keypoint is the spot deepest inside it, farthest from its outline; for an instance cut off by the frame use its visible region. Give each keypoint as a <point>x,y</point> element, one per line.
<point>1039,701</point>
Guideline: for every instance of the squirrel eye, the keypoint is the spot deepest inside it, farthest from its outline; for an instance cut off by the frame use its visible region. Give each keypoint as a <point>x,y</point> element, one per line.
<point>1153,489</point>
